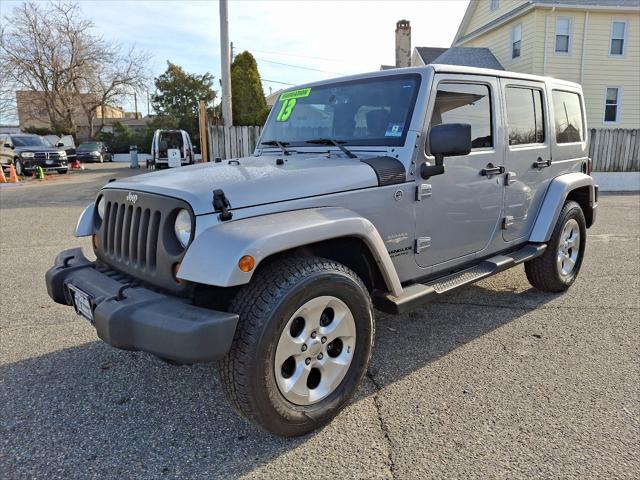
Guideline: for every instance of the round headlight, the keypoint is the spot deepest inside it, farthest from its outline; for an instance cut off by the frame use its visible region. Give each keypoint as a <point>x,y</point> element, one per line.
<point>101,207</point>
<point>182,227</point>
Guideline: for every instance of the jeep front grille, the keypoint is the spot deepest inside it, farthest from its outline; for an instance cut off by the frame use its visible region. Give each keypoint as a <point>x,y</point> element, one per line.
<point>130,234</point>
<point>136,237</point>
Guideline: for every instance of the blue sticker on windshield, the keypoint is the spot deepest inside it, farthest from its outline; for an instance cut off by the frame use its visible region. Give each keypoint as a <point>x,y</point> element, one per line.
<point>394,130</point>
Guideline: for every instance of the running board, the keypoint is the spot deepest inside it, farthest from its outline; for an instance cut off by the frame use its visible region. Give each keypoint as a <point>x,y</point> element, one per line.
<point>419,293</point>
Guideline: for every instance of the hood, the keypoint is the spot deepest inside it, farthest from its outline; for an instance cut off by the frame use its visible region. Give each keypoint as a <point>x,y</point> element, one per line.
<point>252,181</point>
<point>38,149</point>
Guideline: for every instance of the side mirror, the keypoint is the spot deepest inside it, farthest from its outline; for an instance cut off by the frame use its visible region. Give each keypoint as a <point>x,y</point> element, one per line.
<point>59,144</point>
<point>446,140</point>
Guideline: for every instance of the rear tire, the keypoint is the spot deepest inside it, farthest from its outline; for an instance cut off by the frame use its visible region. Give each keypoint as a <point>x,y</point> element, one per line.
<point>62,172</point>
<point>292,382</point>
<point>558,267</point>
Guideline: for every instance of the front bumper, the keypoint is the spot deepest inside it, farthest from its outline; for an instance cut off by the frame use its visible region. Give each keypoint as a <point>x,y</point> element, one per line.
<point>136,318</point>
<point>54,166</point>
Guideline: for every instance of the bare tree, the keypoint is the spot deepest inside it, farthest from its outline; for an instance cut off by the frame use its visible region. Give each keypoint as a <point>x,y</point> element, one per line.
<point>116,75</point>
<point>50,49</point>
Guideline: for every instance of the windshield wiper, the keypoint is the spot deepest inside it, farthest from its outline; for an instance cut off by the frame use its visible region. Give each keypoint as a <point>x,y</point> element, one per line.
<point>337,143</point>
<point>277,143</point>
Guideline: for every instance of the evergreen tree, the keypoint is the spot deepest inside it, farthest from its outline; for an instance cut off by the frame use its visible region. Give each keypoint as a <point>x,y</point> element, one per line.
<point>178,93</point>
<point>249,104</point>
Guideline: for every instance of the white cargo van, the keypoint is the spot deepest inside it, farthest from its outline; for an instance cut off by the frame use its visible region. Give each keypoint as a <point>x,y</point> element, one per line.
<point>170,148</point>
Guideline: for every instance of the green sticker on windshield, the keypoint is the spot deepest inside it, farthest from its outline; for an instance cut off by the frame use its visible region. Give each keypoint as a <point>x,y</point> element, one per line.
<point>303,92</point>
<point>286,110</point>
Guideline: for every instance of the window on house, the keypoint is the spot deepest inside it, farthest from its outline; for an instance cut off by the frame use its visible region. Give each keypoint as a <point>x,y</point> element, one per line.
<point>465,103</point>
<point>525,119</point>
<point>563,35</point>
<point>611,104</point>
<point>567,115</point>
<point>495,4</point>
<point>618,33</point>
<point>516,41</point>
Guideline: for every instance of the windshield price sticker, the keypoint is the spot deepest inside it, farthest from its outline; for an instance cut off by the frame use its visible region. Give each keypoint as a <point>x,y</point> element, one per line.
<point>286,110</point>
<point>303,92</point>
<point>289,100</point>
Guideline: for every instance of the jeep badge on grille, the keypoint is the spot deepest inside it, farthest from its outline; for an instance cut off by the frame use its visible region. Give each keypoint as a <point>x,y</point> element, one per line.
<point>132,197</point>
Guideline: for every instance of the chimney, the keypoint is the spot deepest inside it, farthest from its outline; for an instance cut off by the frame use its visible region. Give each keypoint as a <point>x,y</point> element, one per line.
<point>403,43</point>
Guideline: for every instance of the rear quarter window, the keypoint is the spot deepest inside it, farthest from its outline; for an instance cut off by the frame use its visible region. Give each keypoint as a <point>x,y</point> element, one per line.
<point>567,116</point>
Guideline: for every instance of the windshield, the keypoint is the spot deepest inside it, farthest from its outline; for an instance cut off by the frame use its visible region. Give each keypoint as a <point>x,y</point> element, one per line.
<point>30,141</point>
<point>89,146</point>
<point>372,111</point>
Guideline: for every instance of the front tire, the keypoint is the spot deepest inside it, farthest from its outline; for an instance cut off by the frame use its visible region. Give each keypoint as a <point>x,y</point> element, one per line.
<point>19,168</point>
<point>302,344</point>
<point>558,267</point>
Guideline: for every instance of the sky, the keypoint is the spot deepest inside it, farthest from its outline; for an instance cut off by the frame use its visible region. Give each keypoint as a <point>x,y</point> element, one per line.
<point>329,38</point>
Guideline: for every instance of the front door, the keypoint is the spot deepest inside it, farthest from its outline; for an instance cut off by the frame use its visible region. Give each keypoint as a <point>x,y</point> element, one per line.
<point>528,155</point>
<point>458,212</point>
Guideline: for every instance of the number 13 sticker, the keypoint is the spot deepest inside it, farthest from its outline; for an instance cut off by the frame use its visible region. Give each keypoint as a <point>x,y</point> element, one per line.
<point>286,110</point>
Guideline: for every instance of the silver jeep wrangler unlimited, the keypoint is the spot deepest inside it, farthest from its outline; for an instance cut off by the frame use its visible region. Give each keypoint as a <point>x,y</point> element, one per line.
<point>385,189</point>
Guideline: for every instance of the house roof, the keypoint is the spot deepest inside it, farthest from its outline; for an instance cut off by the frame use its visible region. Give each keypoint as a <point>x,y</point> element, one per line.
<point>591,3</point>
<point>531,4</point>
<point>469,57</point>
<point>429,54</point>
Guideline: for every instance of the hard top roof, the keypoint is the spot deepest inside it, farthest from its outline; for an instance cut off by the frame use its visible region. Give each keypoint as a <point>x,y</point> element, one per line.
<point>440,68</point>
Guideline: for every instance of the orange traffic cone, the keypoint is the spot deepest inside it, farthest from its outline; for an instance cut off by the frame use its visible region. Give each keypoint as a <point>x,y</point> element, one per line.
<point>13,178</point>
<point>3,179</point>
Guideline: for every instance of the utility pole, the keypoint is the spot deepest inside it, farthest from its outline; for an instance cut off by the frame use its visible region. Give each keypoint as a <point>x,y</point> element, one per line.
<point>202,121</point>
<point>226,68</point>
<point>231,48</point>
<point>135,104</point>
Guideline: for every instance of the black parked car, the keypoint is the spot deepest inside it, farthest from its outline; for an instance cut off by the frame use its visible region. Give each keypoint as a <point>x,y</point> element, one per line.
<point>93,152</point>
<point>27,152</point>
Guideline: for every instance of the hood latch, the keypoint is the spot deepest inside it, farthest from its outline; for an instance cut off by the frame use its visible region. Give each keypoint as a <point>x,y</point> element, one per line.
<point>221,204</point>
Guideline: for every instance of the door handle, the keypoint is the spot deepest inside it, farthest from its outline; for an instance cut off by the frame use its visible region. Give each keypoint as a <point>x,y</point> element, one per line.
<point>491,170</point>
<point>540,164</point>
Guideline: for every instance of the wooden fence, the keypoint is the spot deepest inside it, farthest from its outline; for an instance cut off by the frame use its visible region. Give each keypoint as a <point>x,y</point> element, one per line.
<point>612,149</point>
<point>232,142</point>
<point>615,149</point>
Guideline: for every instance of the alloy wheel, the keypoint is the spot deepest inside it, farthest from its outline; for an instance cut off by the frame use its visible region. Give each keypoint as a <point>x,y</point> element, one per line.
<point>315,350</point>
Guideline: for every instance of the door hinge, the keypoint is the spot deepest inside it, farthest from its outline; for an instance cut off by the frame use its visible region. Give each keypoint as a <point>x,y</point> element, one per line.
<point>423,190</point>
<point>422,243</point>
<point>507,222</point>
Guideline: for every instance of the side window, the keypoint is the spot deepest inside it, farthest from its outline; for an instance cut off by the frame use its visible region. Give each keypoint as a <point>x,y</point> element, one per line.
<point>516,41</point>
<point>618,37</point>
<point>563,34</point>
<point>611,104</point>
<point>567,115</point>
<point>465,103</point>
<point>525,118</point>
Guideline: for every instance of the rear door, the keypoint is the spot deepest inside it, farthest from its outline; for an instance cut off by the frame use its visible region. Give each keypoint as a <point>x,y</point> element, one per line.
<point>527,157</point>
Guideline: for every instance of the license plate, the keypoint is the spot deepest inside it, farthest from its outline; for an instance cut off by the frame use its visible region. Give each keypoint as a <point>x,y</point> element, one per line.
<point>81,302</point>
<point>49,162</point>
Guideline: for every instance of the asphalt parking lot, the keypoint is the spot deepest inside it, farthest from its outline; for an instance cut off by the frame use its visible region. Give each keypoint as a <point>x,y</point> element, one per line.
<point>494,381</point>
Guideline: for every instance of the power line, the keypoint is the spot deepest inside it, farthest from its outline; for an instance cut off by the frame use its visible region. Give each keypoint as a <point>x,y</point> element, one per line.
<point>299,66</point>
<point>300,56</point>
<point>275,81</point>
